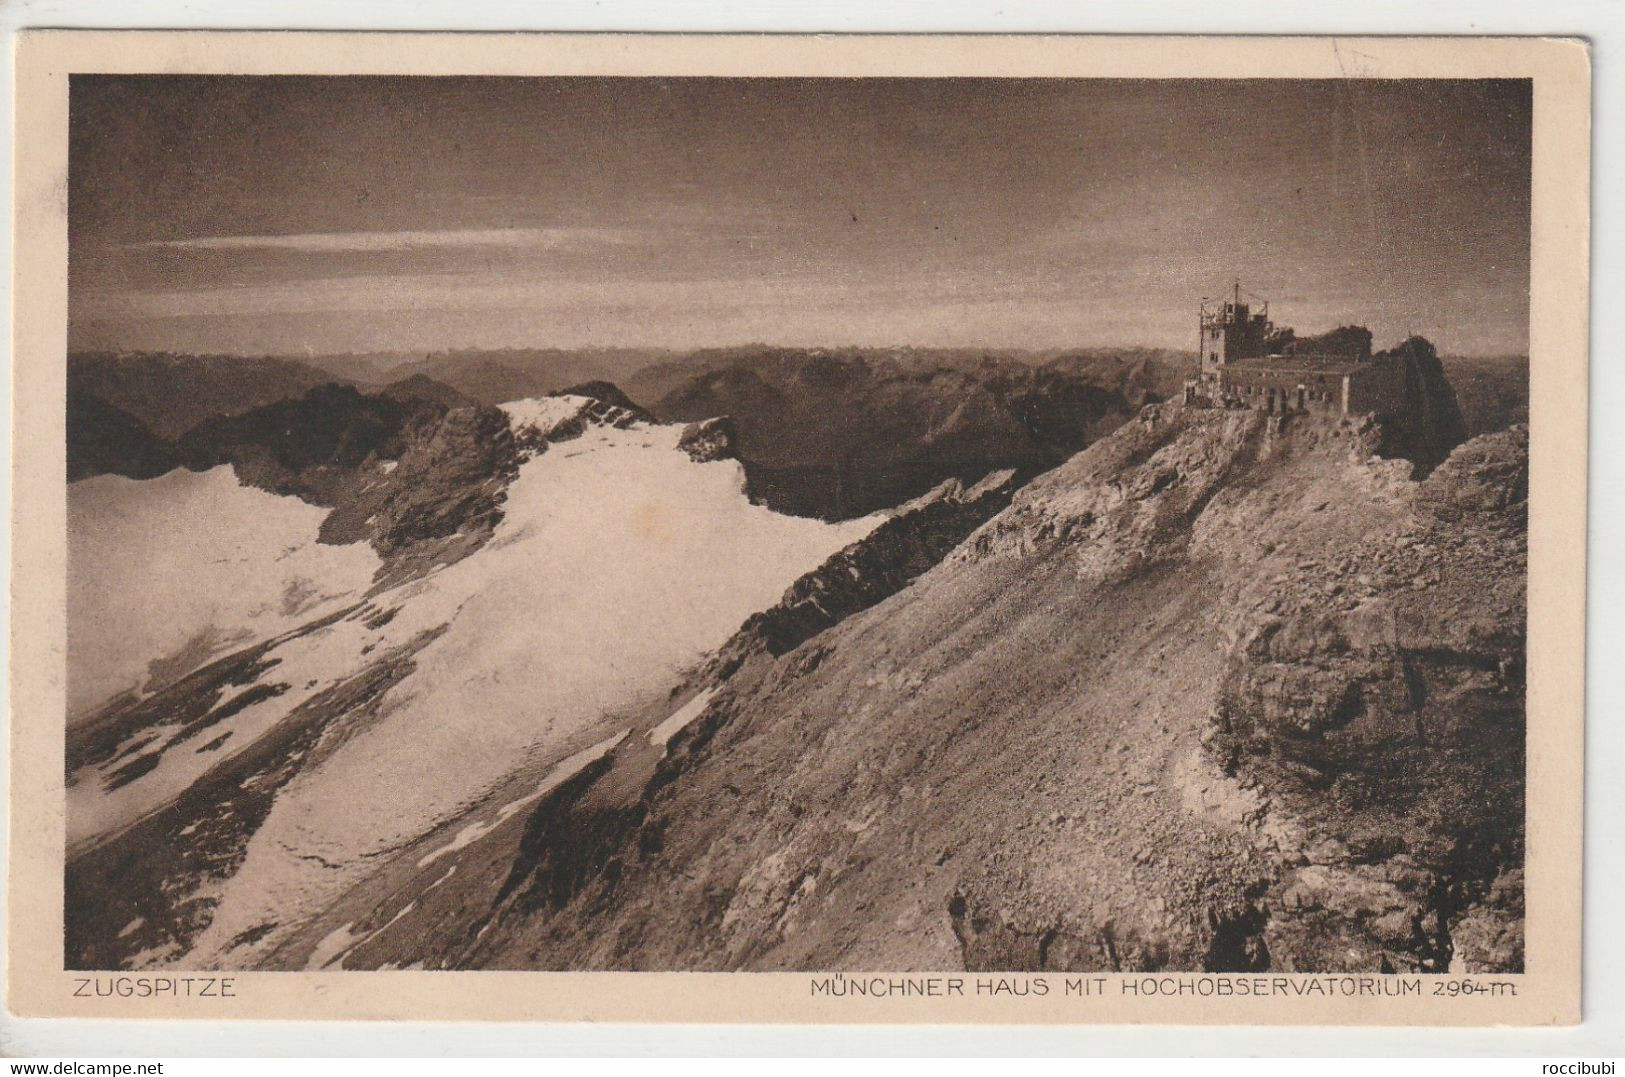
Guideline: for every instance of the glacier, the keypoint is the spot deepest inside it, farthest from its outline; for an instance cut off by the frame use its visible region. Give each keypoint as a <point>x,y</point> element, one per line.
<point>619,563</point>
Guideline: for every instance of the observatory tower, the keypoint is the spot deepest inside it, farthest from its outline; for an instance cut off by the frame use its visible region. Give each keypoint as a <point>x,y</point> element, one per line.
<point>1230,330</point>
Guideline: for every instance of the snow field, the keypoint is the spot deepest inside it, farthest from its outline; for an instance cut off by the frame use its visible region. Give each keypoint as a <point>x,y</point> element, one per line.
<point>619,563</point>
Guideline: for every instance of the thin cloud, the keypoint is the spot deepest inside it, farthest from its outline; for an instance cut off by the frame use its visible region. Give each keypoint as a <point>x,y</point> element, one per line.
<point>545,239</point>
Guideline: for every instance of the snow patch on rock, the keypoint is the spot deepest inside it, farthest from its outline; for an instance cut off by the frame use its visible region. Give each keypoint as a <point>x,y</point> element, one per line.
<point>544,414</point>
<point>661,734</point>
<point>563,772</point>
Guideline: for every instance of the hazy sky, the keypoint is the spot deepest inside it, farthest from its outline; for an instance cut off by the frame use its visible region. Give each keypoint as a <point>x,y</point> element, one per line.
<point>290,215</point>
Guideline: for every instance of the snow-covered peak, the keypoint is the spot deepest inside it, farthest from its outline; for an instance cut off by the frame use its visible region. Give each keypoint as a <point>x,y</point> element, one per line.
<point>544,414</point>
<point>568,415</point>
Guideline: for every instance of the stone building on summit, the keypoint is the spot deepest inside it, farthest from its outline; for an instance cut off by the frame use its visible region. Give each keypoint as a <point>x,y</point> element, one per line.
<point>1245,361</point>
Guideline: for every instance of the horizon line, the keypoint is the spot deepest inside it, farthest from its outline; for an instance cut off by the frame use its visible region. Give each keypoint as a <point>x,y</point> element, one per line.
<point>1000,349</point>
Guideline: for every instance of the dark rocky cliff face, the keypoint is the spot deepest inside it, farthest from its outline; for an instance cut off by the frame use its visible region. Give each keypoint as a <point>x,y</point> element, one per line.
<point>1430,423</point>
<point>103,439</point>
<point>710,439</point>
<point>913,541</point>
<point>421,481</point>
<point>439,500</point>
<point>309,447</point>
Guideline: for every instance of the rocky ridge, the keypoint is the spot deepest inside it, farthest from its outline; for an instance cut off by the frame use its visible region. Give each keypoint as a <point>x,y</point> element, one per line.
<point>422,482</point>
<point>1222,692</point>
<point>847,432</point>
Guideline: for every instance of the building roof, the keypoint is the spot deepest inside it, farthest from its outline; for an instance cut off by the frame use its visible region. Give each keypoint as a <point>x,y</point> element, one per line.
<point>1299,364</point>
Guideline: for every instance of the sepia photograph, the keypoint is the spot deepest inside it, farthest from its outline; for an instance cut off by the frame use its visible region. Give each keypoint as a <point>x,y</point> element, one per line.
<point>1060,535</point>
<point>809,524</point>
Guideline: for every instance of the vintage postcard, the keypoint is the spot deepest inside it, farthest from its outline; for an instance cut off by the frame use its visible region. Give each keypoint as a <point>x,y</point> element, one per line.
<point>839,529</point>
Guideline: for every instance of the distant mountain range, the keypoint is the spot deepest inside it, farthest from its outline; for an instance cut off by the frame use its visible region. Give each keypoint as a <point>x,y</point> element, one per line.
<point>492,376</point>
<point>169,394</point>
<point>832,433</point>
<point>1493,391</point>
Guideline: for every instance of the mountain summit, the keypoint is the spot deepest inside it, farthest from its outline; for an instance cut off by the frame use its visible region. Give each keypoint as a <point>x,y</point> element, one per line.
<point>1218,693</point>
<point>1228,689</point>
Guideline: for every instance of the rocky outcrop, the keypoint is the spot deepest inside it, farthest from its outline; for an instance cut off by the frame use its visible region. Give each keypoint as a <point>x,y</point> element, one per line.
<point>1426,423</point>
<point>710,439</point>
<point>438,501</point>
<point>607,393</point>
<point>1383,706</point>
<point>441,498</point>
<point>1131,501</point>
<point>920,534</point>
<point>1484,483</point>
<point>582,412</point>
